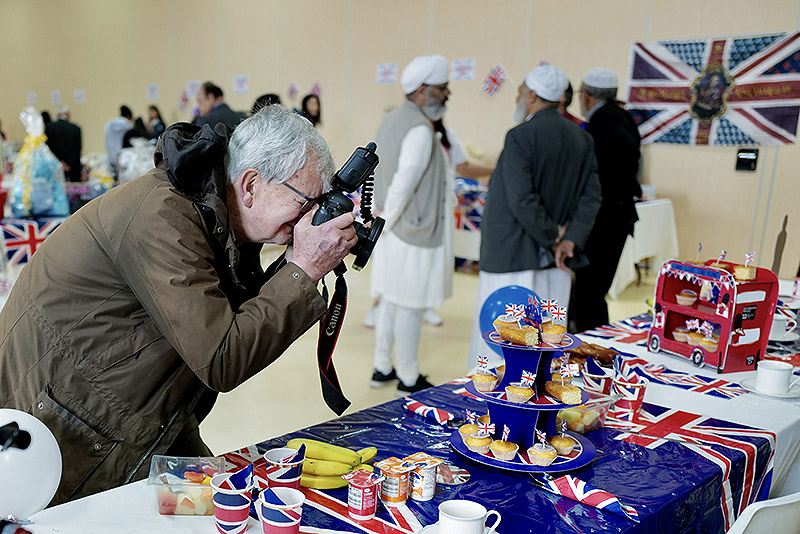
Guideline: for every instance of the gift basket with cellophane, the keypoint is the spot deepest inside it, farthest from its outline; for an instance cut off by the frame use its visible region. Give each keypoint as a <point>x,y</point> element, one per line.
<point>37,189</point>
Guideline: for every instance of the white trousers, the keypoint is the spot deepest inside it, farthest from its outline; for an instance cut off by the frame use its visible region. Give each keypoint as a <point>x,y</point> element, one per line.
<point>546,283</point>
<point>398,326</point>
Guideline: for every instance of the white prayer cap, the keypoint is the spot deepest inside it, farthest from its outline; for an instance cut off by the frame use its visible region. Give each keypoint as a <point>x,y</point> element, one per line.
<point>428,70</point>
<point>601,78</point>
<point>548,82</point>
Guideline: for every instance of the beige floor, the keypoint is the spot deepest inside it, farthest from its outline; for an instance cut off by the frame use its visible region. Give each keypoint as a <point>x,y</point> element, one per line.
<point>286,396</point>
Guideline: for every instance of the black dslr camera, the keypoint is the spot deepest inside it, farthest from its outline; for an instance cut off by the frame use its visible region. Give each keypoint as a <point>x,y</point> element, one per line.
<point>353,174</point>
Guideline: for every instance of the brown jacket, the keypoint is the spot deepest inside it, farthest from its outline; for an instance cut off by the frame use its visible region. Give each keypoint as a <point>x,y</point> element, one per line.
<point>130,311</point>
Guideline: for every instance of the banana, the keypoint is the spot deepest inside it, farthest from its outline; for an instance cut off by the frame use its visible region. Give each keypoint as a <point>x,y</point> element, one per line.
<point>325,451</point>
<point>312,466</point>
<point>320,482</point>
<point>367,454</point>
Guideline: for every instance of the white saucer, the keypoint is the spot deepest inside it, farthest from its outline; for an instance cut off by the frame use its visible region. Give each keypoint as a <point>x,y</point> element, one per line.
<point>750,385</point>
<point>791,336</point>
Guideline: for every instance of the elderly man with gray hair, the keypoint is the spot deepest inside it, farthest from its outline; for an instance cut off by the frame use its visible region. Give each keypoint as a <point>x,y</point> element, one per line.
<point>150,299</point>
<point>616,145</point>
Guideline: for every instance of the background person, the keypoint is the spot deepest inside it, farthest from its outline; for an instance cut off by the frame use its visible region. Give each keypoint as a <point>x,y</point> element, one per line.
<point>412,266</point>
<point>65,141</point>
<point>213,109</point>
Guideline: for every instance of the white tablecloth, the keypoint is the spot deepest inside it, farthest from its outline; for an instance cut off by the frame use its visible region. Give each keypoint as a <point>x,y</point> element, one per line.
<point>655,236</point>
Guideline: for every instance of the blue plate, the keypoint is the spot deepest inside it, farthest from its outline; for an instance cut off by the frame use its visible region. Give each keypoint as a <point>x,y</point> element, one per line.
<point>567,342</point>
<point>583,453</point>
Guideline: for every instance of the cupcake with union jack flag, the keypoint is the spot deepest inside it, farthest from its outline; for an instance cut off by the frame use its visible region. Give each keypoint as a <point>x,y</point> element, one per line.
<point>484,378</point>
<point>542,453</point>
<point>553,332</point>
<point>502,449</point>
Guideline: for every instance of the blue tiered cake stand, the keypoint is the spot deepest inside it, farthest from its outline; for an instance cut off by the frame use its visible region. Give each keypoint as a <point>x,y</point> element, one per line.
<point>523,419</point>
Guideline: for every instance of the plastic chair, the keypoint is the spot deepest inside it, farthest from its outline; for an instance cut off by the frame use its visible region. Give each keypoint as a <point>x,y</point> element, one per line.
<point>781,515</point>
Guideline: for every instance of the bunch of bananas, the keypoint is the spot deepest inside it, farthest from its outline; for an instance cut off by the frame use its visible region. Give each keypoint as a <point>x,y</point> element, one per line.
<point>325,463</point>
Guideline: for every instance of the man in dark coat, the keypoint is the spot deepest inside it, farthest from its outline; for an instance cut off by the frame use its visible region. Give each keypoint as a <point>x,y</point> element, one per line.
<point>64,140</point>
<point>541,204</point>
<point>213,108</point>
<point>616,145</point>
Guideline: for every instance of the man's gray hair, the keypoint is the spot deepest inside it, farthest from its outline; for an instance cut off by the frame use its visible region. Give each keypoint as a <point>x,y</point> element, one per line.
<point>600,94</point>
<point>277,142</point>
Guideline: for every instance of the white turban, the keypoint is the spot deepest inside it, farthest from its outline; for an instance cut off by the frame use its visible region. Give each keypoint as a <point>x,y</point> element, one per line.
<point>427,70</point>
<point>548,82</point>
<point>601,78</point>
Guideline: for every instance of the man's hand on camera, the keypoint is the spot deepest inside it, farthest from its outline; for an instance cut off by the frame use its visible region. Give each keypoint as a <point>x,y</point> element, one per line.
<point>318,249</point>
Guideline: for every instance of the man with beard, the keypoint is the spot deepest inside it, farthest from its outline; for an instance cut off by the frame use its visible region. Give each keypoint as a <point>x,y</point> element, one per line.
<point>542,200</point>
<point>616,146</point>
<point>412,264</point>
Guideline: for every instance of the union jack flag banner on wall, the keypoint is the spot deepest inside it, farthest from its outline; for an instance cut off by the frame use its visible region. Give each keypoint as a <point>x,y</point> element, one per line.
<point>722,91</point>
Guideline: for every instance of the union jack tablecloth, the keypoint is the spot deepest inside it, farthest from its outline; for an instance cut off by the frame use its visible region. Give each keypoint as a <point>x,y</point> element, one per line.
<point>694,475</point>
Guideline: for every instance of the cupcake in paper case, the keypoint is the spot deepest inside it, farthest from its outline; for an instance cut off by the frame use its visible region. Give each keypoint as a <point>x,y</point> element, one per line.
<point>484,419</point>
<point>562,444</point>
<point>484,382</point>
<point>518,393</point>
<point>710,344</point>
<point>478,443</point>
<point>504,320</point>
<point>503,450</point>
<point>500,370</point>
<point>694,338</point>
<point>542,454</point>
<point>468,430</point>
<point>681,334</point>
<point>553,333</point>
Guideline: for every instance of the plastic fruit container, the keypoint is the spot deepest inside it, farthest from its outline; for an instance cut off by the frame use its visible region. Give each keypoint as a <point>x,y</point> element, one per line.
<point>588,416</point>
<point>182,485</point>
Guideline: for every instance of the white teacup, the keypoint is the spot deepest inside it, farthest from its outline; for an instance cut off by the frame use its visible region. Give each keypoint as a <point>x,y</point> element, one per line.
<point>465,517</point>
<point>782,326</point>
<point>773,377</point>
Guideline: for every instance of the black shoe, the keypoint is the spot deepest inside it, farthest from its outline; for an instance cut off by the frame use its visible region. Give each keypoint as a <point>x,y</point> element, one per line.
<point>380,379</point>
<point>419,385</point>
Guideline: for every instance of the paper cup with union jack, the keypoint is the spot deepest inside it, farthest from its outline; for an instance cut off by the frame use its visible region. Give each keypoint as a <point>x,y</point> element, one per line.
<point>281,518</point>
<point>231,506</point>
<point>599,383</point>
<point>280,472</point>
<point>631,391</point>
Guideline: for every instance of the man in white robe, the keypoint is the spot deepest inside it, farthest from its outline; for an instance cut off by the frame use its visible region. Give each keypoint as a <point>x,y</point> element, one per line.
<point>412,263</point>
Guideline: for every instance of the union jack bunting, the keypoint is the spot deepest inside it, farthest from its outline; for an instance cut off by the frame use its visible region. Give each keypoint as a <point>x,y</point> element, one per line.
<point>578,490</point>
<point>550,306</point>
<point>633,330</point>
<point>462,70</point>
<point>528,378</point>
<point>568,370</point>
<point>706,385</point>
<point>486,428</point>
<point>728,91</point>
<point>436,414</point>
<point>386,73</point>
<point>707,329</point>
<point>315,89</point>
<point>23,237</point>
<point>720,442</point>
<point>516,310</point>
<point>494,80</point>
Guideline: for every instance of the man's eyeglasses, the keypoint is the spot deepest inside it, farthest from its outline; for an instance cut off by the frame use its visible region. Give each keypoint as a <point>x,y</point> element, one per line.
<point>309,202</point>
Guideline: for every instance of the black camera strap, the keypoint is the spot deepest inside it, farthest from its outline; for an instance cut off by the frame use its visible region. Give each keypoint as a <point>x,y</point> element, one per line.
<point>329,328</point>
